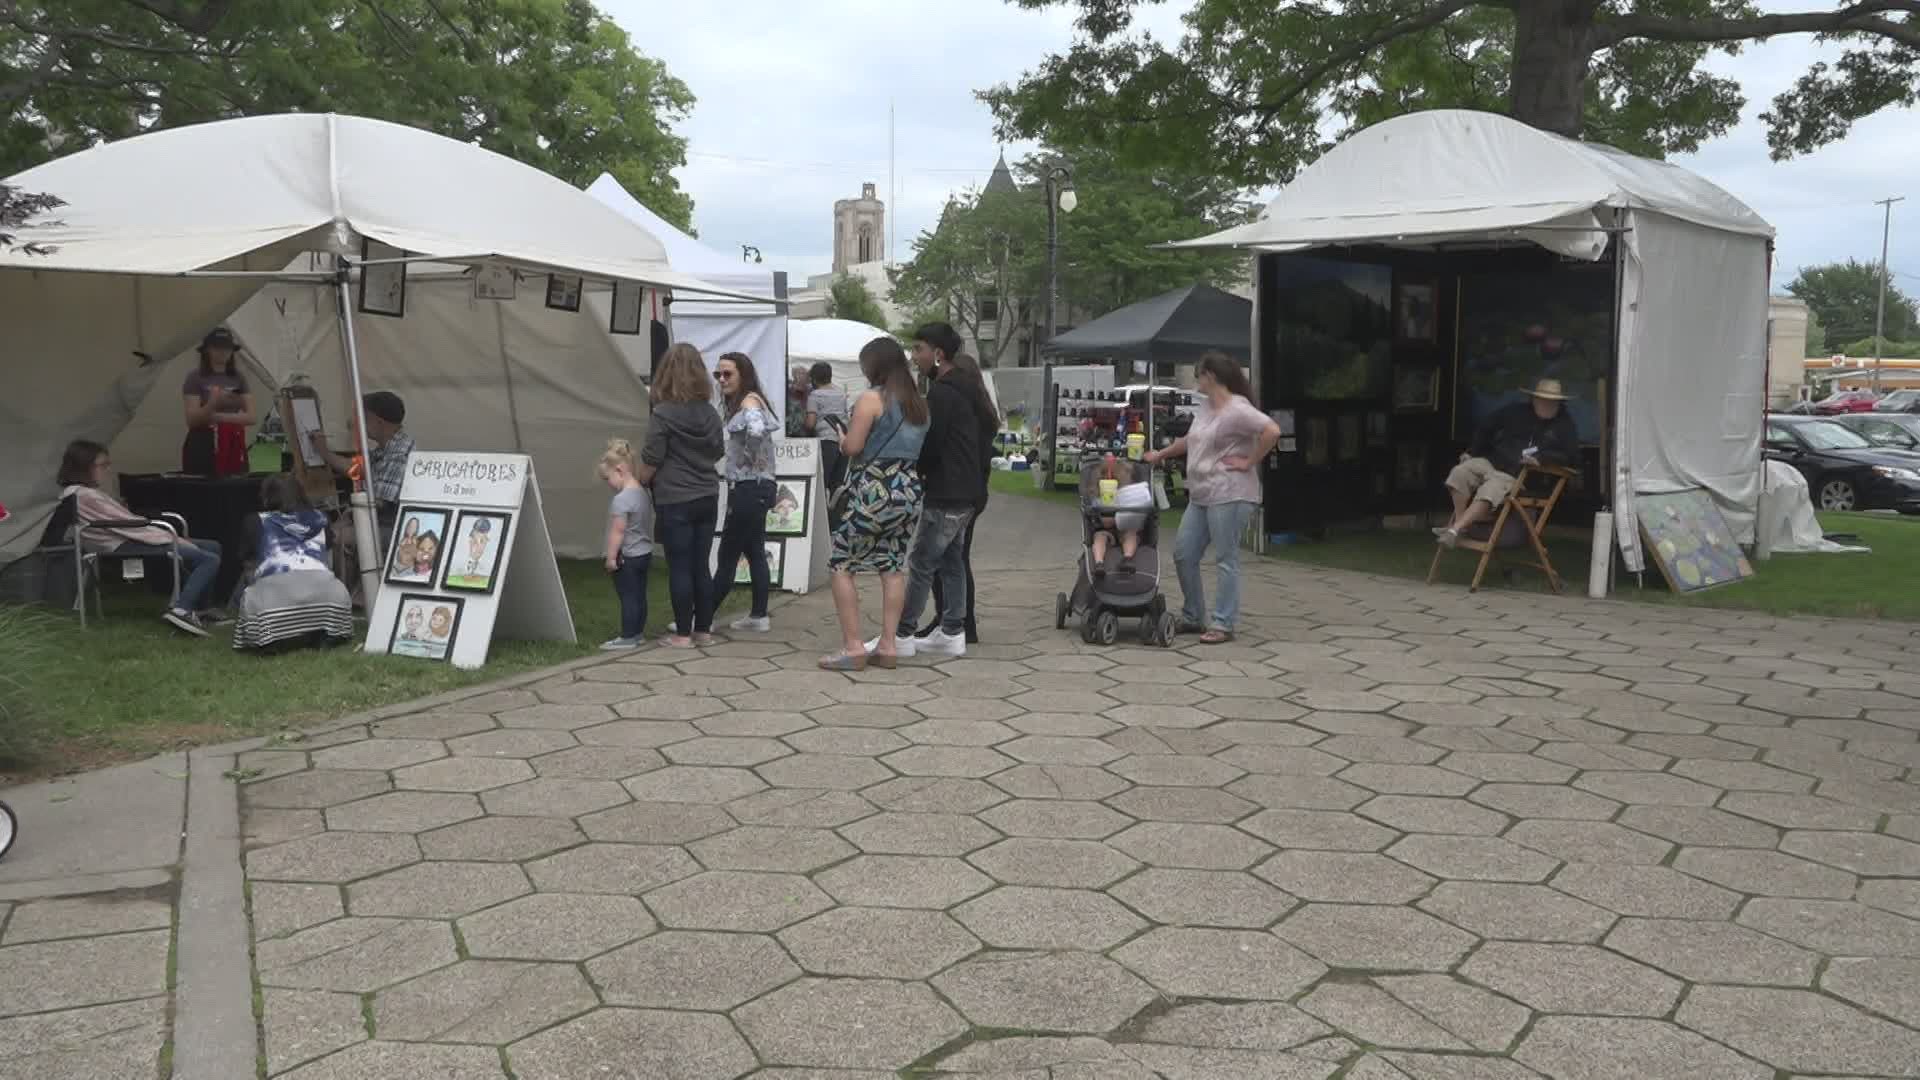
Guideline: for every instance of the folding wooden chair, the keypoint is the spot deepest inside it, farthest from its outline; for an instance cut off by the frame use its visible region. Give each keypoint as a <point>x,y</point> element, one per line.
<point>1521,521</point>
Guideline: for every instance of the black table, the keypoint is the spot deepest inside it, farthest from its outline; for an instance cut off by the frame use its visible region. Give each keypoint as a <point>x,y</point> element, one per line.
<point>220,510</point>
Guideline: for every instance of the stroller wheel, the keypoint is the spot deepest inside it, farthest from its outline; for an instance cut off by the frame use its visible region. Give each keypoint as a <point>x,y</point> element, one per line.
<point>1149,627</point>
<point>1106,628</point>
<point>1060,607</point>
<point>1168,627</point>
<point>9,828</point>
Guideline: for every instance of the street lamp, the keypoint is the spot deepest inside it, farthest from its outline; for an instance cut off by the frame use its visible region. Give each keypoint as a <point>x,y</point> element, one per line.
<point>749,250</point>
<point>1060,200</point>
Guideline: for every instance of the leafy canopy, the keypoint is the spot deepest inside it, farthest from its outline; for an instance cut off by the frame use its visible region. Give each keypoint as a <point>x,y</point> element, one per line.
<point>1843,298</point>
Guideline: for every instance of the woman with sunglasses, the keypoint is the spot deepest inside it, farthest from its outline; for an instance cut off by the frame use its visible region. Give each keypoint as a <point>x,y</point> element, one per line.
<point>751,431</point>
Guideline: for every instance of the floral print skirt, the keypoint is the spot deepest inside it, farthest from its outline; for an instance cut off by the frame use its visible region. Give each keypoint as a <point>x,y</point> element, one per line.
<point>883,508</point>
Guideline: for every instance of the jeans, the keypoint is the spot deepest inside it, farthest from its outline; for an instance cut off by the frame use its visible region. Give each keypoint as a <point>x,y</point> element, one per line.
<point>686,529</point>
<point>200,559</point>
<point>939,548</point>
<point>745,533</point>
<point>630,583</point>
<point>1219,525</point>
<point>973,594</point>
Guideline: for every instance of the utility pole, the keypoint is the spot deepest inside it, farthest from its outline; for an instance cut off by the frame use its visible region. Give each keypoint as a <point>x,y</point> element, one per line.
<point>1880,311</point>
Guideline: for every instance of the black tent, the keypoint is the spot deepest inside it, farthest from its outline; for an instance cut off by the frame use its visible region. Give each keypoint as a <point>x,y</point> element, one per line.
<point>1173,327</point>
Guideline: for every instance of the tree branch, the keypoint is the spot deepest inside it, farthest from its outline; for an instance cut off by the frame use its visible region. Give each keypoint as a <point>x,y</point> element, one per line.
<point>198,23</point>
<point>1360,48</point>
<point>1856,18</point>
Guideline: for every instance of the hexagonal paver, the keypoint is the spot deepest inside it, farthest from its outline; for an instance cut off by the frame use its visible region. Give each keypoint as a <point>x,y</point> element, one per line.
<point>437,889</point>
<point>1203,898</point>
<point>905,881</point>
<point>737,900</point>
<point>645,734</point>
<point>1370,1014</point>
<point>1175,770</point>
<point>1059,819</point>
<point>757,847</point>
<point>511,743</point>
<point>848,1024</point>
<point>1019,917</point>
<point>1616,1048</point>
<point>1070,864</point>
<point>1572,979</point>
<point>597,763</point>
<point>332,857</point>
<point>1649,787</point>
<point>1545,801</point>
<point>1190,846</point>
<point>1867,854</point>
<point>555,926</point>
<point>1483,1020</point>
<point>1409,779</point>
<point>315,789</point>
<point>1062,749</point>
<point>1272,760</point>
<point>1069,991</point>
<point>835,772</point>
<point>878,943</point>
<point>1711,952</point>
<point>1835,927</point>
<point>1344,876</point>
<point>500,839</point>
<point>555,717</point>
<point>1887,985</point>
<point>1058,782</point>
<point>378,754</point>
<point>918,834</point>
<point>482,1001</point>
<point>837,742</point>
<point>355,955</point>
<point>657,823</point>
<point>1473,858</point>
<point>1589,842</point>
<point>382,1060</point>
<point>1800,811</point>
<point>1241,964</point>
<point>1517,912</point>
<point>1182,804</point>
<point>554,798</point>
<point>687,969</point>
<point>1799,1031</point>
<point>1420,813</point>
<point>1647,891</point>
<point>710,750</point>
<point>1765,873</point>
<point>634,1042</point>
<point>1375,937</point>
<point>463,774</point>
<point>694,784</point>
<point>1326,830</point>
<point>1698,826</point>
<point>618,869</point>
<point>402,811</point>
<point>801,808</point>
<point>934,795</point>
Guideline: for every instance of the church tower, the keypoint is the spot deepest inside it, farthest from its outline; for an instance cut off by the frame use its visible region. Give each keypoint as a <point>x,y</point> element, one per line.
<point>859,230</point>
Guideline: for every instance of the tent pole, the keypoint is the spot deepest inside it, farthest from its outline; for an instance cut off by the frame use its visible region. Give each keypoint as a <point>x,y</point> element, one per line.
<point>362,500</point>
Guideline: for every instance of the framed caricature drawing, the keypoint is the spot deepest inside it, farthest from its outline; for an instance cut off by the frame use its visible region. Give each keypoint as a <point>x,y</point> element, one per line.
<point>473,557</point>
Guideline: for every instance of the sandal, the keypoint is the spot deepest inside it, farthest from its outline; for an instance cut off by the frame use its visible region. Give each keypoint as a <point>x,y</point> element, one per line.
<point>1216,637</point>
<point>677,642</point>
<point>843,661</point>
<point>885,661</point>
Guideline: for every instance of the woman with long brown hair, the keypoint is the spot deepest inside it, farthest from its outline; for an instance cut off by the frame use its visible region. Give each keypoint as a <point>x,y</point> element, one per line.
<point>1224,448</point>
<point>881,505</point>
<point>751,432</point>
<point>683,442</point>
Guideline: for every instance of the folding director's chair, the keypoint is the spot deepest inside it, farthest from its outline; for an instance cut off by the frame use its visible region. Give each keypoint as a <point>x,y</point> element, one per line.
<point>1520,522</point>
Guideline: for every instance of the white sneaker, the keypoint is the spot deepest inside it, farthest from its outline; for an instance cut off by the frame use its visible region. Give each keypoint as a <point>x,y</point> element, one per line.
<point>184,620</point>
<point>940,643</point>
<point>903,646</point>
<point>759,624</point>
<point>621,643</point>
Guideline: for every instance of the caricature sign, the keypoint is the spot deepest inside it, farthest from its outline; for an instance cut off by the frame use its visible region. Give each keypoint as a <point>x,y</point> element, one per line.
<point>470,558</point>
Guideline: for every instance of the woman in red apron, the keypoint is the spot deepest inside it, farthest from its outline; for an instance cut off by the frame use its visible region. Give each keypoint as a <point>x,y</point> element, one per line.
<point>219,408</point>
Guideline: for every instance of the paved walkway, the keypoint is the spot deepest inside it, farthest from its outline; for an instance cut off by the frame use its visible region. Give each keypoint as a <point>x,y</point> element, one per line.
<point>1394,833</point>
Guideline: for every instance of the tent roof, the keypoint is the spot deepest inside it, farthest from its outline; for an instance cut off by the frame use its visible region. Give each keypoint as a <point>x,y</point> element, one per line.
<point>1456,174</point>
<point>684,253</point>
<point>829,339</point>
<point>192,198</point>
<point>1173,325</point>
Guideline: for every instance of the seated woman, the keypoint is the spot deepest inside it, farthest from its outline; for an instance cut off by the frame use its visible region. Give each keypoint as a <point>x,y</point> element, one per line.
<point>82,469</point>
<point>293,597</point>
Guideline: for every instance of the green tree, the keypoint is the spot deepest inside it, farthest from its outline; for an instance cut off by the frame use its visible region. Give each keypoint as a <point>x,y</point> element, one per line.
<point>985,260</point>
<point>553,83</point>
<point>1844,296</point>
<point>912,321</point>
<point>1816,335</point>
<point>849,298</point>
<point>16,207</point>
<point>1250,87</point>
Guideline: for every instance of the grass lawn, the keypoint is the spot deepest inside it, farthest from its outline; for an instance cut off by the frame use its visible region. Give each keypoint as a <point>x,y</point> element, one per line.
<point>130,686</point>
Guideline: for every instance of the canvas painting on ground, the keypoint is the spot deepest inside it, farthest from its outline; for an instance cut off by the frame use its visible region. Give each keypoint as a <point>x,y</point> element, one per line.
<point>426,626</point>
<point>473,559</point>
<point>419,541</point>
<point>1690,541</point>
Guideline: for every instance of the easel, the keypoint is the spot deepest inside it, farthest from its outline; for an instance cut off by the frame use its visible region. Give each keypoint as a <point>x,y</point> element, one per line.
<point>315,475</point>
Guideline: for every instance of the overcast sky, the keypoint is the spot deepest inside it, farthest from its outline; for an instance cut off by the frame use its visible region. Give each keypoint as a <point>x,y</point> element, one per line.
<point>793,99</point>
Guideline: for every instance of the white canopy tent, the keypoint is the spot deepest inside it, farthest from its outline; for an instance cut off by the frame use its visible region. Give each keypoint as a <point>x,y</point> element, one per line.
<point>168,234</point>
<point>714,326</point>
<point>1690,376</point>
<point>837,341</point>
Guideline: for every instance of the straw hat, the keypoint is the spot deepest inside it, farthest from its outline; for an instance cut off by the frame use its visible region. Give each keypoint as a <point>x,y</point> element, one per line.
<point>1548,389</point>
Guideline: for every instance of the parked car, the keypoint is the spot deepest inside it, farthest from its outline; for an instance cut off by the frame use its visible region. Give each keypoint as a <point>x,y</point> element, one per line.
<point>1893,430</point>
<point>1844,471</point>
<point>1846,401</point>
<point>1900,401</point>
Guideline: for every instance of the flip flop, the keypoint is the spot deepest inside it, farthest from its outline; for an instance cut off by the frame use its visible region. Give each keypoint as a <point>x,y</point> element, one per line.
<point>841,661</point>
<point>1216,637</point>
<point>883,661</point>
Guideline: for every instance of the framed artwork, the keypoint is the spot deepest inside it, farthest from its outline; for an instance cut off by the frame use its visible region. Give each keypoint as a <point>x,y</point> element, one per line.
<point>419,542</point>
<point>495,281</point>
<point>1318,441</point>
<point>1416,312</point>
<point>1416,388</point>
<point>383,288</point>
<point>1349,429</point>
<point>1410,466</point>
<point>743,572</point>
<point>563,292</point>
<point>425,626</point>
<point>788,515</point>
<point>625,318</point>
<point>1376,430</point>
<point>473,558</point>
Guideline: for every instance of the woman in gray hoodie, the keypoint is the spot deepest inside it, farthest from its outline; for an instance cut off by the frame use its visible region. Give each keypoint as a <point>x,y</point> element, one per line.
<point>684,441</point>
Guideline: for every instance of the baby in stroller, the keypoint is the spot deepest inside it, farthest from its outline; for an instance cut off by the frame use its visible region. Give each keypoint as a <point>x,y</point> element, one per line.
<point>1117,509</point>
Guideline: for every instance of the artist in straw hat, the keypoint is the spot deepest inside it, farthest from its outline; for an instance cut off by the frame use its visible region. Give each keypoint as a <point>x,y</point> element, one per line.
<point>1533,432</point>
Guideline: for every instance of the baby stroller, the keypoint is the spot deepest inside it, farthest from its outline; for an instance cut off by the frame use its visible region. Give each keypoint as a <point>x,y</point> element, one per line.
<point>1102,596</point>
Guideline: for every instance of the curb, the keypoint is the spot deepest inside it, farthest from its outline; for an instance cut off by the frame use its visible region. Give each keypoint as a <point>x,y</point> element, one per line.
<point>214,1035</point>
